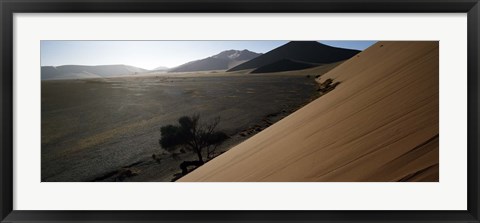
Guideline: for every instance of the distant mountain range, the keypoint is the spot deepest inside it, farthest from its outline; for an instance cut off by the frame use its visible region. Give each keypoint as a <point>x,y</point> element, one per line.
<point>160,68</point>
<point>296,55</point>
<point>222,61</point>
<point>80,71</point>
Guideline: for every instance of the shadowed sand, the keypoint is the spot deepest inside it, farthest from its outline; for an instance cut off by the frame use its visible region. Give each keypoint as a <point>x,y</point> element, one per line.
<point>379,124</point>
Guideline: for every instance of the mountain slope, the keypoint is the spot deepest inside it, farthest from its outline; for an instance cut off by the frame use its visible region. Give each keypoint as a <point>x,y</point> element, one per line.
<point>305,51</point>
<point>79,71</point>
<point>284,65</point>
<point>221,61</point>
<point>379,124</point>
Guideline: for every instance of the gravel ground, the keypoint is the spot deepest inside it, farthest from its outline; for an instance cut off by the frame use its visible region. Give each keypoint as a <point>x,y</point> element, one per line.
<point>108,129</point>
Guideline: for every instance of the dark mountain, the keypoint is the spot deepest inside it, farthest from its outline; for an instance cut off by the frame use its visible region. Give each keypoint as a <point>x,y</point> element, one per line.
<point>308,52</point>
<point>221,61</point>
<point>284,65</point>
<point>79,71</point>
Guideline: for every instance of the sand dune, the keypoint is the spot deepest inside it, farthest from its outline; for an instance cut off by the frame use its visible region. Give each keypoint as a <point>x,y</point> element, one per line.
<point>311,52</point>
<point>379,124</point>
<point>284,65</point>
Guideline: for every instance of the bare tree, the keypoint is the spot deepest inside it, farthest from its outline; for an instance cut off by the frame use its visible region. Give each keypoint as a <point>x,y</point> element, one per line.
<point>194,136</point>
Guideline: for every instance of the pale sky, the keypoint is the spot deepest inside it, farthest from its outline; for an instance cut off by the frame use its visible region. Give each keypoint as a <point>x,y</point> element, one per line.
<point>152,54</point>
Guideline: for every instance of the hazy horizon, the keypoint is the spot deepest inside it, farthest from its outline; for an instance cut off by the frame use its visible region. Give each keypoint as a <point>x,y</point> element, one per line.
<point>152,54</point>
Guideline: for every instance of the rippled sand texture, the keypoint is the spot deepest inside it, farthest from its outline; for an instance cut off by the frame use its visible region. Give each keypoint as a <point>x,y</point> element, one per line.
<point>379,124</point>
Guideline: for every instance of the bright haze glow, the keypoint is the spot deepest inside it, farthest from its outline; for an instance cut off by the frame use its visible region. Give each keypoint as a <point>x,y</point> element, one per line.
<point>153,54</point>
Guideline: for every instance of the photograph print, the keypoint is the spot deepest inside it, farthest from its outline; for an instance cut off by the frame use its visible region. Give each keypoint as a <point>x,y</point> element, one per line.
<point>239,111</point>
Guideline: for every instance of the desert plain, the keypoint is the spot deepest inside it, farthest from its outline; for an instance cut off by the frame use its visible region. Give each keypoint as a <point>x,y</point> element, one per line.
<point>92,129</point>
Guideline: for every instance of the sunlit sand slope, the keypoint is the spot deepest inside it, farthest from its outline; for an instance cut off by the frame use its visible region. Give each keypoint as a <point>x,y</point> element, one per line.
<point>379,124</point>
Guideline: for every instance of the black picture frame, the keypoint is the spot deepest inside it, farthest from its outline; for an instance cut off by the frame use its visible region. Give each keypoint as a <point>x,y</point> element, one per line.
<point>9,7</point>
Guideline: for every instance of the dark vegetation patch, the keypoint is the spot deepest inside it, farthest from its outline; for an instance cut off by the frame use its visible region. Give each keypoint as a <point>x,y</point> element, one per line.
<point>119,175</point>
<point>327,86</point>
